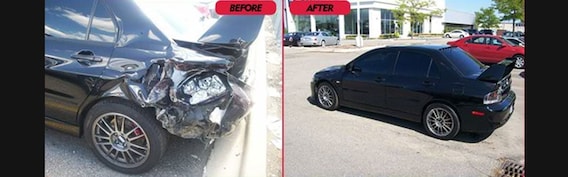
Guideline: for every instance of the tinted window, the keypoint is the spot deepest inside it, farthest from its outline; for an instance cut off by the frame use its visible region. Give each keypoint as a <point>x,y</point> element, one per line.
<point>67,18</point>
<point>463,61</point>
<point>412,64</point>
<point>102,27</point>
<point>433,71</point>
<point>380,62</point>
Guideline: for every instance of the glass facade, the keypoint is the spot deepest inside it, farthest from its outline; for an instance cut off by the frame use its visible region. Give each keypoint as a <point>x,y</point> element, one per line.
<point>302,23</point>
<point>351,21</point>
<point>327,23</point>
<point>388,23</point>
<point>417,27</point>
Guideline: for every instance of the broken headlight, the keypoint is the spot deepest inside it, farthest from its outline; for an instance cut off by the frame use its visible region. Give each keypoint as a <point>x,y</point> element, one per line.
<point>203,88</point>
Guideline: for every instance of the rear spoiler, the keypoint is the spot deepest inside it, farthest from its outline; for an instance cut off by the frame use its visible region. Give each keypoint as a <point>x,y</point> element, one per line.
<point>498,71</point>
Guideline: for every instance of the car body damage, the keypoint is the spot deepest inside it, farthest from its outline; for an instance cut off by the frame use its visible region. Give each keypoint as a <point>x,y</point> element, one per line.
<point>199,85</point>
<point>193,99</point>
<point>125,74</point>
<point>201,90</point>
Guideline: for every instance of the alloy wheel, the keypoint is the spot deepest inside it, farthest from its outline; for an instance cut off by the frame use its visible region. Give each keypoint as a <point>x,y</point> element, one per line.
<point>519,61</point>
<point>439,121</point>
<point>326,96</point>
<point>120,140</point>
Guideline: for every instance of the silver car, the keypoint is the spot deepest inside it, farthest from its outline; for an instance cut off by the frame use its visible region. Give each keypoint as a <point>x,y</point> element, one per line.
<point>456,34</point>
<point>319,38</point>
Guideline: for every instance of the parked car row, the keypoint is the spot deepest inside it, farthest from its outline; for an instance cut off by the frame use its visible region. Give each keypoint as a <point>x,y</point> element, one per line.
<point>318,38</point>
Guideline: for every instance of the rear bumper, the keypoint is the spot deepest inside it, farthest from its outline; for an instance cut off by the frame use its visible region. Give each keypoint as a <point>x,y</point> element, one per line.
<point>495,115</point>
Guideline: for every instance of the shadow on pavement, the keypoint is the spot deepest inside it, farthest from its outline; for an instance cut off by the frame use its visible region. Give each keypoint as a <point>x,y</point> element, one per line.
<point>416,126</point>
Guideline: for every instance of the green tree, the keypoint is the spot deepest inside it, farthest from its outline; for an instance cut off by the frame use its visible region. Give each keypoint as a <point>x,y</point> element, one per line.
<point>415,11</point>
<point>486,18</point>
<point>511,10</point>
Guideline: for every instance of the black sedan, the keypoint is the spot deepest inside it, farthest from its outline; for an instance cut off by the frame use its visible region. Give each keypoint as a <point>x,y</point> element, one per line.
<point>443,87</point>
<point>125,74</point>
<point>293,38</point>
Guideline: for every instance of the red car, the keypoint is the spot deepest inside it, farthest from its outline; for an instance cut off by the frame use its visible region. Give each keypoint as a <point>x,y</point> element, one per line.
<point>491,49</point>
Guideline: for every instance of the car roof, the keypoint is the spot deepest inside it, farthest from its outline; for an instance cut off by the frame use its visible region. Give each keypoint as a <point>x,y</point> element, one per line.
<point>420,47</point>
<point>487,35</point>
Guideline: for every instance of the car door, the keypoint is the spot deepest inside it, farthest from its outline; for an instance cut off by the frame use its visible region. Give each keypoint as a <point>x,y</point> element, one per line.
<point>329,38</point>
<point>363,81</point>
<point>496,50</point>
<point>415,75</point>
<point>455,34</point>
<point>476,47</point>
<point>75,55</point>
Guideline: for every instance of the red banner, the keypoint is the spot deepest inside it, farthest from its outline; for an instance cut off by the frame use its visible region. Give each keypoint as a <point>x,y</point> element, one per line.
<point>320,7</point>
<point>245,7</point>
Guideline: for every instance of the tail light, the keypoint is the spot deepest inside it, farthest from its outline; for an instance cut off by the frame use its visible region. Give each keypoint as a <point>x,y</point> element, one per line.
<point>492,97</point>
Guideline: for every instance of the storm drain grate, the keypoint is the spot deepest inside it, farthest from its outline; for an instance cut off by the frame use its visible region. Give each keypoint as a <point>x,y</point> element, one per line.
<point>510,168</point>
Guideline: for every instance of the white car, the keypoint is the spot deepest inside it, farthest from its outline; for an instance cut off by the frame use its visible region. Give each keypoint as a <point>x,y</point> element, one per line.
<point>456,34</point>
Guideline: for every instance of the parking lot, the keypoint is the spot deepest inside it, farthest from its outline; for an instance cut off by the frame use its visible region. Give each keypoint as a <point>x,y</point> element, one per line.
<point>349,142</point>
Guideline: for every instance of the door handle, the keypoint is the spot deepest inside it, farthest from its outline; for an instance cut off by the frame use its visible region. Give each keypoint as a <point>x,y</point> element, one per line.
<point>428,83</point>
<point>86,55</point>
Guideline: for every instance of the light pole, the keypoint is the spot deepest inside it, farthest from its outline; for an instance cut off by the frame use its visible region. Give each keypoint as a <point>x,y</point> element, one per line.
<point>358,39</point>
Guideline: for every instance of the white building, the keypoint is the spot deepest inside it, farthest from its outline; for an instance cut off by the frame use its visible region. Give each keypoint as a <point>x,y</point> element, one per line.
<point>375,16</point>
<point>508,25</point>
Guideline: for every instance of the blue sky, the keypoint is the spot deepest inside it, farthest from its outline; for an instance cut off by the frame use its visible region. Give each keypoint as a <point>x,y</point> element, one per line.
<point>470,6</point>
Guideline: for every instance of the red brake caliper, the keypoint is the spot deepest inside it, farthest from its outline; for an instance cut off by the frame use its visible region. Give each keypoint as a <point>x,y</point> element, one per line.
<point>138,131</point>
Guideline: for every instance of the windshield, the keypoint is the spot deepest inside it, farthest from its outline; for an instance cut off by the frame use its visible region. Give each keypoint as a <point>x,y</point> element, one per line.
<point>464,62</point>
<point>181,19</point>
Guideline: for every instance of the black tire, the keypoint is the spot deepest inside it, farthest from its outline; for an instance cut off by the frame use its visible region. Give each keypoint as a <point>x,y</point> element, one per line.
<point>323,43</point>
<point>461,36</point>
<point>326,96</point>
<point>448,36</point>
<point>519,61</point>
<point>128,127</point>
<point>437,115</point>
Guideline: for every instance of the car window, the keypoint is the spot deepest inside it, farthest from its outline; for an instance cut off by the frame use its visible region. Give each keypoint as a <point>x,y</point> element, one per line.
<point>102,27</point>
<point>478,40</point>
<point>463,61</point>
<point>67,19</point>
<point>412,64</point>
<point>433,70</point>
<point>379,62</point>
<point>495,41</point>
<point>513,41</point>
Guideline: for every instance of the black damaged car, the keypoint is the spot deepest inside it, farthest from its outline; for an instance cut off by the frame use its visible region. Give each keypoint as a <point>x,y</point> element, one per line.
<point>443,87</point>
<point>122,75</point>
